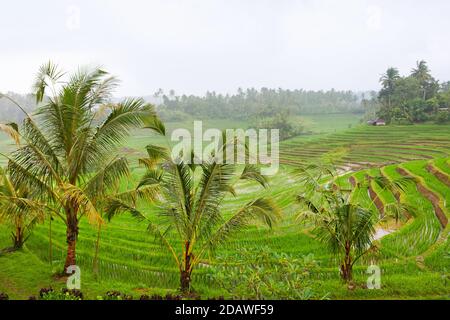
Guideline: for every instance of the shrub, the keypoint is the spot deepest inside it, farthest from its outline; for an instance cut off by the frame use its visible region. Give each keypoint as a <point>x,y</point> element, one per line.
<point>442,117</point>
<point>173,297</point>
<point>45,291</point>
<point>218,298</point>
<point>158,297</point>
<point>65,294</point>
<point>3,296</point>
<point>265,275</point>
<point>116,295</point>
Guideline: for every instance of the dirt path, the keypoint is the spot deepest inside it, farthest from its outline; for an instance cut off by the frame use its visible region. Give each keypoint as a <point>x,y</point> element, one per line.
<point>376,200</point>
<point>438,174</point>
<point>431,196</point>
<point>352,181</point>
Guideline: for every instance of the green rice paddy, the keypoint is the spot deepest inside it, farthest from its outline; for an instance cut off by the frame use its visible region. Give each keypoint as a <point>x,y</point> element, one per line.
<point>414,259</point>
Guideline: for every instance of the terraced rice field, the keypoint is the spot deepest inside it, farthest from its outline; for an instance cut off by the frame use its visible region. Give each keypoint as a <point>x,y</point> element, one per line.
<point>368,146</point>
<point>414,258</point>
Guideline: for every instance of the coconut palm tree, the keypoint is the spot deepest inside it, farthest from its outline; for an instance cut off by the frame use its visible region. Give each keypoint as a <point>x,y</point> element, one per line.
<point>343,222</point>
<point>18,210</point>
<point>69,153</point>
<point>388,81</point>
<point>189,200</point>
<point>422,73</point>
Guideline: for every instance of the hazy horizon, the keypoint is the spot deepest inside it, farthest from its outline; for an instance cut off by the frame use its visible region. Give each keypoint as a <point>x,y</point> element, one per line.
<point>198,46</point>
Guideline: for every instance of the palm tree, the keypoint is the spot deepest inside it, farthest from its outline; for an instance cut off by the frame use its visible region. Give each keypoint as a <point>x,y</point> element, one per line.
<point>342,221</point>
<point>69,157</point>
<point>18,210</point>
<point>423,75</point>
<point>388,81</point>
<point>190,203</point>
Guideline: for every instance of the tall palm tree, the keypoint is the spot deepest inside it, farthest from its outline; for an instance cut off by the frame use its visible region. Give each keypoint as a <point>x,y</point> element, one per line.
<point>190,203</point>
<point>422,73</point>
<point>69,157</point>
<point>388,81</point>
<point>18,210</point>
<point>343,222</point>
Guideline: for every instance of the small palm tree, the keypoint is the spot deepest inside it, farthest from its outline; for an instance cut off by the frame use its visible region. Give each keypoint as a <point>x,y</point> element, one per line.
<point>345,223</point>
<point>69,154</point>
<point>18,210</point>
<point>190,203</point>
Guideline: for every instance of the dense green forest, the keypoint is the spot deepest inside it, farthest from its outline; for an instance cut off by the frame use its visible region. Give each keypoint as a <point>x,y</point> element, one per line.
<point>418,97</point>
<point>243,105</point>
<point>246,104</point>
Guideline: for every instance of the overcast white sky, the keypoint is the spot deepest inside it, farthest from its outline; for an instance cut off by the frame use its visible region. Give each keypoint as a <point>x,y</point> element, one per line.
<point>197,45</point>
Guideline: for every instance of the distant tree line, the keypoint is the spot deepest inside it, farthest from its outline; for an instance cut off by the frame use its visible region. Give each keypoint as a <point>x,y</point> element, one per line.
<point>10,112</point>
<point>251,103</point>
<point>418,97</point>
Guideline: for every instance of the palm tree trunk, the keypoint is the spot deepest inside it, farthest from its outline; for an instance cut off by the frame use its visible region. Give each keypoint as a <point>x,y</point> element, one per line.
<point>346,270</point>
<point>185,276</point>
<point>18,237</point>
<point>72,235</point>
<point>71,253</point>
<point>185,281</point>
<point>346,267</point>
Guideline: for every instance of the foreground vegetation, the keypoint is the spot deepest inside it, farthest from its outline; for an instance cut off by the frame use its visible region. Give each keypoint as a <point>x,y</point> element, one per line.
<point>320,228</point>
<point>414,259</point>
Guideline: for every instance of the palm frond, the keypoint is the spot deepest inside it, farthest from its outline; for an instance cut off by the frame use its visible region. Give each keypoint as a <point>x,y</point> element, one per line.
<point>252,172</point>
<point>399,211</point>
<point>178,184</point>
<point>37,138</point>
<point>308,203</point>
<point>363,229</point>
<point>155,124</point>
<point>151,178</point>
<point>132,113</point>
<point>397,185</point>
<point>26,176</point>
<point>78,198</point>
<point>115,206</point>
<point>107,177</point>
<point>156,154</point>
<point>48,74</point>
<point>214,184</point>
<point>161,237</point>
<point>12,131</point>
<point>263,209</point>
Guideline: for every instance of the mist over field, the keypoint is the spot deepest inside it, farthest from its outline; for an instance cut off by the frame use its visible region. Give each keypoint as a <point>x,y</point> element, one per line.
<point>198,46</point>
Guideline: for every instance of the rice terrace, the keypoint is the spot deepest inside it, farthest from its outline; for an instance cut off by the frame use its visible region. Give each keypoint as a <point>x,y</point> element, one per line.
<point>96,205</point>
